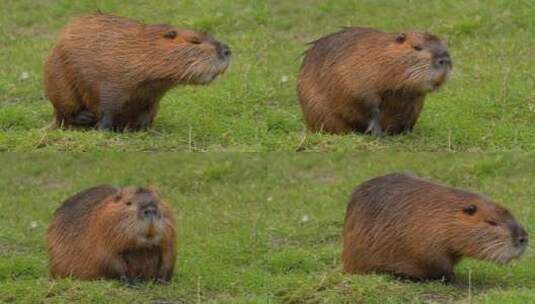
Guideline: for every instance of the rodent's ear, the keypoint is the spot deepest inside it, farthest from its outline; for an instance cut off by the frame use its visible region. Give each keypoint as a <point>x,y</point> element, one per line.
<point>170,34</point>
<point>154,189</point>
<point>401,37</point>
<point>117,197</point>
<point>470,210</point>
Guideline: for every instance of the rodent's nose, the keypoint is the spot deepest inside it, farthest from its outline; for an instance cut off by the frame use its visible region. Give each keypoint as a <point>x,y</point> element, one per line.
<point>522,241</point>
<point>443,60</point>
<point>223,50</point>
<point>520,236</point>
<point>149,210</point>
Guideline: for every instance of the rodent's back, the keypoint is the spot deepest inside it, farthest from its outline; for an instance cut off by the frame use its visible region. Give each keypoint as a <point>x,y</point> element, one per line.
<point>67,236</point>
<point>363,51</point>
<point>103,46</point>
<point>99,32</point>
<point>327,50</point>
<point>400,196</point>
<point>74,212</point>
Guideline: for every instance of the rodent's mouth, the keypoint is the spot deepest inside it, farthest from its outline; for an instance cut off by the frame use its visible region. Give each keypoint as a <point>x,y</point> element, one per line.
<point>145,240</point>
<point>206,79</point>
<point>436,81</point>
<point>436,85</point>
<point>223,65</point>
<point>427,79</point>
<point>151,231</point>
<point>520,249</point>
<point>211,71</point>
<point>506,253</point>
<point>149,234</point>
<point>430,86</point>
<point>441,78</point>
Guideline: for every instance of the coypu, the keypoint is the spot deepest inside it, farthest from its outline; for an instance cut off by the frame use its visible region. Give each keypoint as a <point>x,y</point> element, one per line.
<point>416,229</point>
<point>365,80</point>
<point>108,232</point>
<point>111,72</point>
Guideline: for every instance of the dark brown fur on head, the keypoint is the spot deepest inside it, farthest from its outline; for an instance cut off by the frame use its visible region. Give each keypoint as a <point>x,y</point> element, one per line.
<point>417,229</point>
<point>112,72</point>
<point>365,80</point>
<point>107,232</point>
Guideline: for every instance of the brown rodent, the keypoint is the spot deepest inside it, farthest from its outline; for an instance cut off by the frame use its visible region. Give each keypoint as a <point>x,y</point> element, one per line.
<point>365,80</point>
<point>107,232</point>
<point>416,229</point>
<point>111,72</point>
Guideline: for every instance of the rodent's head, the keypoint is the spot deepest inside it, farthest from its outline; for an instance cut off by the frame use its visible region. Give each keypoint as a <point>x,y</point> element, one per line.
<point>193,57</point>
<point>485,230</point>
<point>425,59</point>
<point>140,216</point>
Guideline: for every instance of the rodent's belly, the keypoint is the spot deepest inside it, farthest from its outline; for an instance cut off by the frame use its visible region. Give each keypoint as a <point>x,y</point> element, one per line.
<point>358,117</point>
<point>143,264</point>
<point>399,114</point>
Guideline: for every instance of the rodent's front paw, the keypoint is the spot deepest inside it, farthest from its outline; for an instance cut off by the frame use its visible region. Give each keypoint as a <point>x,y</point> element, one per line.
<point>375,129</point>
<point>127,282</point>
<point>162,280</point>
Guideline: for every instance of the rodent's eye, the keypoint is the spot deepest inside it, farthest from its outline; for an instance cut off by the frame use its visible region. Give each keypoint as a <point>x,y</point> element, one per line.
<point>195,40</point>
<point>470,210</point>
<point>417,47</point>
<point>401,37</point>
<point>128,203</point>
<point>492,223</point>
<point>170,35</point>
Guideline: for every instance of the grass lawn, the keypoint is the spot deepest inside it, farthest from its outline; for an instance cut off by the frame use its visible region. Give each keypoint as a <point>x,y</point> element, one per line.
<point>253,228</point>
<point>489,104</point>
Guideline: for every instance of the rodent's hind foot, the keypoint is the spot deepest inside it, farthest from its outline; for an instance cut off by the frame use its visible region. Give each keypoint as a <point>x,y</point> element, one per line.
<point>407,128</point>
<point>374,128</point>
<point>105,124</point>
<point>143,122</point>
<point>85,118</point>
<point>162,280</point>
<point>448,278</point>
<point>127,281</point>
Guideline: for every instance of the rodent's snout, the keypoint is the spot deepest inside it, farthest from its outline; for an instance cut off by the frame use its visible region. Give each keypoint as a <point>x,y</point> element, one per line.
<point>522,241</point>
<point>223,50</point>
<point>520,236</point>
<point>442,60</point>
<point>148,211</point>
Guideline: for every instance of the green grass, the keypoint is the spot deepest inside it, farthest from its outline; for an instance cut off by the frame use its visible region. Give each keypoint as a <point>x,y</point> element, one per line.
<point>489,104</point>
<point>253,228</point>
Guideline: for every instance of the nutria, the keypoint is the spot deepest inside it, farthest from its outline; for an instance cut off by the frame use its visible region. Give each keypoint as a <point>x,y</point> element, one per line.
<point>111,72</point>
<point>365,80</point>
<point>107,232</point>
<point>416,229</point>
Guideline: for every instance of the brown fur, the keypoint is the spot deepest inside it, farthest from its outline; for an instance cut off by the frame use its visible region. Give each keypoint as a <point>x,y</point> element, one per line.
<point>365,80</point>
<point>112,72</point>
<point>103,232</point>
<point>417,229</point>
